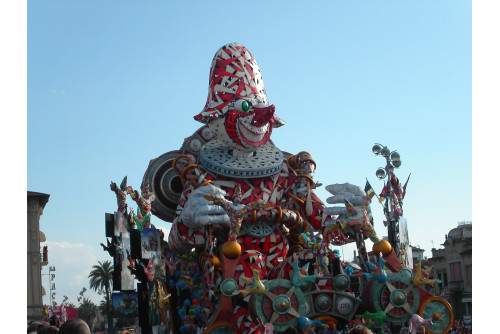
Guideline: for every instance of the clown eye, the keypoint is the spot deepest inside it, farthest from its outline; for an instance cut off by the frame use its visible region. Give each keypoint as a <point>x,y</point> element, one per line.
<point>242,105</point>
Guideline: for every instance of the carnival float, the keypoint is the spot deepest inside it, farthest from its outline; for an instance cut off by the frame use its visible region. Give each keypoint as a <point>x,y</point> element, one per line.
<point>251,248</point>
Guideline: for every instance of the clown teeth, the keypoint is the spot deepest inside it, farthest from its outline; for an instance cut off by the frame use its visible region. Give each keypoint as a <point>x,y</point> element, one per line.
<point>253,137</point>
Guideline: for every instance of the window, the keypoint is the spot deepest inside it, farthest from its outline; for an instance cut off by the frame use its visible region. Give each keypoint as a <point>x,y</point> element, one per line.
<point>468,272</point>
<point>455,271</point>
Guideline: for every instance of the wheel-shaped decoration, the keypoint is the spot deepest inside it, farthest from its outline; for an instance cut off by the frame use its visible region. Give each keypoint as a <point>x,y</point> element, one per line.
<point>397,296</point>
<point>282,304</point>
<point>441,313</point>
<point>222,327</point>
<point>166,184</point>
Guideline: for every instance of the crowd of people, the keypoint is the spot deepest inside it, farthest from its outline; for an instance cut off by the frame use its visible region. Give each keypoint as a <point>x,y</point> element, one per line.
<point>71,326</point>
<point>458,327</point>
<point>79,326</point>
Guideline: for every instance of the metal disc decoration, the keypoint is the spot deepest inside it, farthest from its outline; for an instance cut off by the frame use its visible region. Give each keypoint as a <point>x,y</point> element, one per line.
<point>397,296</point>
<point>165,184</point>
<point>259,229</point>
<point>441,313</point>
<point>282,304</point>
<point>228,287</point>
<point>323,303</point>
<point>217,158</point>
<point>341,282</point>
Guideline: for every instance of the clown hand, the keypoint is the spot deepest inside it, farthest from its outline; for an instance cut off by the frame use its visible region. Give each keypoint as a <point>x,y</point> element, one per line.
<point>354,195</point>
<point>200,211</point>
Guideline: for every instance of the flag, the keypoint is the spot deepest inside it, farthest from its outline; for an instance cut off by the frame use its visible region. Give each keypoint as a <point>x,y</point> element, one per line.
<point>382,194</point>
<point>369,190</point>
<point>404,187</point>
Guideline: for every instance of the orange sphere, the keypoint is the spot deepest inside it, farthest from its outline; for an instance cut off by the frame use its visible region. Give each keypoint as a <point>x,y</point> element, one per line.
<point>231,249</point>
<point>436,316</point>
<point>216,262</point>
<point>383,246</point>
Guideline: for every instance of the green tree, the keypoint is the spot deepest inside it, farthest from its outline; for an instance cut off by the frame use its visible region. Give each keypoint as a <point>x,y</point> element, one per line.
<point>103,306</point>
<point>87,311</point>
<point>101,278</point>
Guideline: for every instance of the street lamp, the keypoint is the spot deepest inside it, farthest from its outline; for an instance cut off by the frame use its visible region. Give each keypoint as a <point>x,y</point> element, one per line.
<point>392,160</point>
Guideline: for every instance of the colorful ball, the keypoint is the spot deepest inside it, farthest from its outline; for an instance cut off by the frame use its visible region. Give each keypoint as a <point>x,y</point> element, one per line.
<point>231,249</point>
<point>216,262</point>
<point>383,246</point>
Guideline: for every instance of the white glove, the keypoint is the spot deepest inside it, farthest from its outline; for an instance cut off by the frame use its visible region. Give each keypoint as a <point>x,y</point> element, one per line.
<point>354,194</point>
<point>199,211</point>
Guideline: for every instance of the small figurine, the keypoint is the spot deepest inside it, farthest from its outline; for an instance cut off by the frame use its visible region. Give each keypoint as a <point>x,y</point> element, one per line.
<point>256,285</point>
<point>121,194</point>
<point>422,276</point>
<point>417,324</point>
<point>378,317</point>
<point>301,275</point>
<point>110,248</point>
<point>143,201</point>
<point>308,325</point>
<point>377,272</point>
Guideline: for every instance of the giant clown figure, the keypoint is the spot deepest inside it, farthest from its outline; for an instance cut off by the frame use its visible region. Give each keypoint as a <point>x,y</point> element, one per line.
<point>239,202</point>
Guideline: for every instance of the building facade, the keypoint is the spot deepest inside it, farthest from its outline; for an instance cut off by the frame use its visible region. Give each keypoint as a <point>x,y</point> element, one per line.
<point>36,204</point>
<point>453,266</point>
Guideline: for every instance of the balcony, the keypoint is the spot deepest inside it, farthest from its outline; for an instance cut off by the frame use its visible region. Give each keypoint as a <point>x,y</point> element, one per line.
<point>455,286</point>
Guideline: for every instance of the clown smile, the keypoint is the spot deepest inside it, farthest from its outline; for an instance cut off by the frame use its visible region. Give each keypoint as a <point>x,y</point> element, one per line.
<point>253,136</point>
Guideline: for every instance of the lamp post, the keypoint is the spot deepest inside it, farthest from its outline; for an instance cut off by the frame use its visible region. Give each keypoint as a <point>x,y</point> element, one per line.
<point>392,160</point>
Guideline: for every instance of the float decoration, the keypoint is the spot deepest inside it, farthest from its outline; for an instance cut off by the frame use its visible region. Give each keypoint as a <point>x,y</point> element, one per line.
<point>251,247</point>
<point>417,324</point>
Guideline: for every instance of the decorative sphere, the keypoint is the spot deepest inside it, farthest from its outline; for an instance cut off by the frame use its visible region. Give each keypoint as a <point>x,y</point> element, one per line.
<point>383,246</point>
<point>231,249</point>
<point>376,149</point>
<point>380,173</point>
<point>396,163</point>
<point>216,262</point>
<point>385,152</point>
<point>283,304</point>
<point>395,156</point>
<point>436,316</point>
<point>400,297</point>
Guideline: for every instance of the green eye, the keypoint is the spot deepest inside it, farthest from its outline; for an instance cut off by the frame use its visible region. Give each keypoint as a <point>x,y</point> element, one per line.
<point>245,106</point>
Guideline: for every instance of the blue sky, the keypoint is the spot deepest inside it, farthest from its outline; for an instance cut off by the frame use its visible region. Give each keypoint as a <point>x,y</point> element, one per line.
<point>112,85</point>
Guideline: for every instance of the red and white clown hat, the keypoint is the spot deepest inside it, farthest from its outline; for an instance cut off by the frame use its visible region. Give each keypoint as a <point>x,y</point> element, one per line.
<point>235,75</point>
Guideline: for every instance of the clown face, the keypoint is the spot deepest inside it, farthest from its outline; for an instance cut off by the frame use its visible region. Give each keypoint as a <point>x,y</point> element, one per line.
<point>244,130</point>
<point>237,110</point>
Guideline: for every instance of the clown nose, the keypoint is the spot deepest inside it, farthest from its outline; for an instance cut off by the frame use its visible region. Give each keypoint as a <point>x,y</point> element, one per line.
<point>262,116</point>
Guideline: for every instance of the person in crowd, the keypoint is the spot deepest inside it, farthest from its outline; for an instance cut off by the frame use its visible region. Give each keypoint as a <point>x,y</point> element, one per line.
<point>48,330</point>
<point>35,326</point>
<point>360,329</point>
<point>54,321</point>
<point>74,326</point>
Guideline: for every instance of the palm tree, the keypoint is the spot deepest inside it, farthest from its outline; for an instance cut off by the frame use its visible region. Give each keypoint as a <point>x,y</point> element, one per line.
<point>101,278</point>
